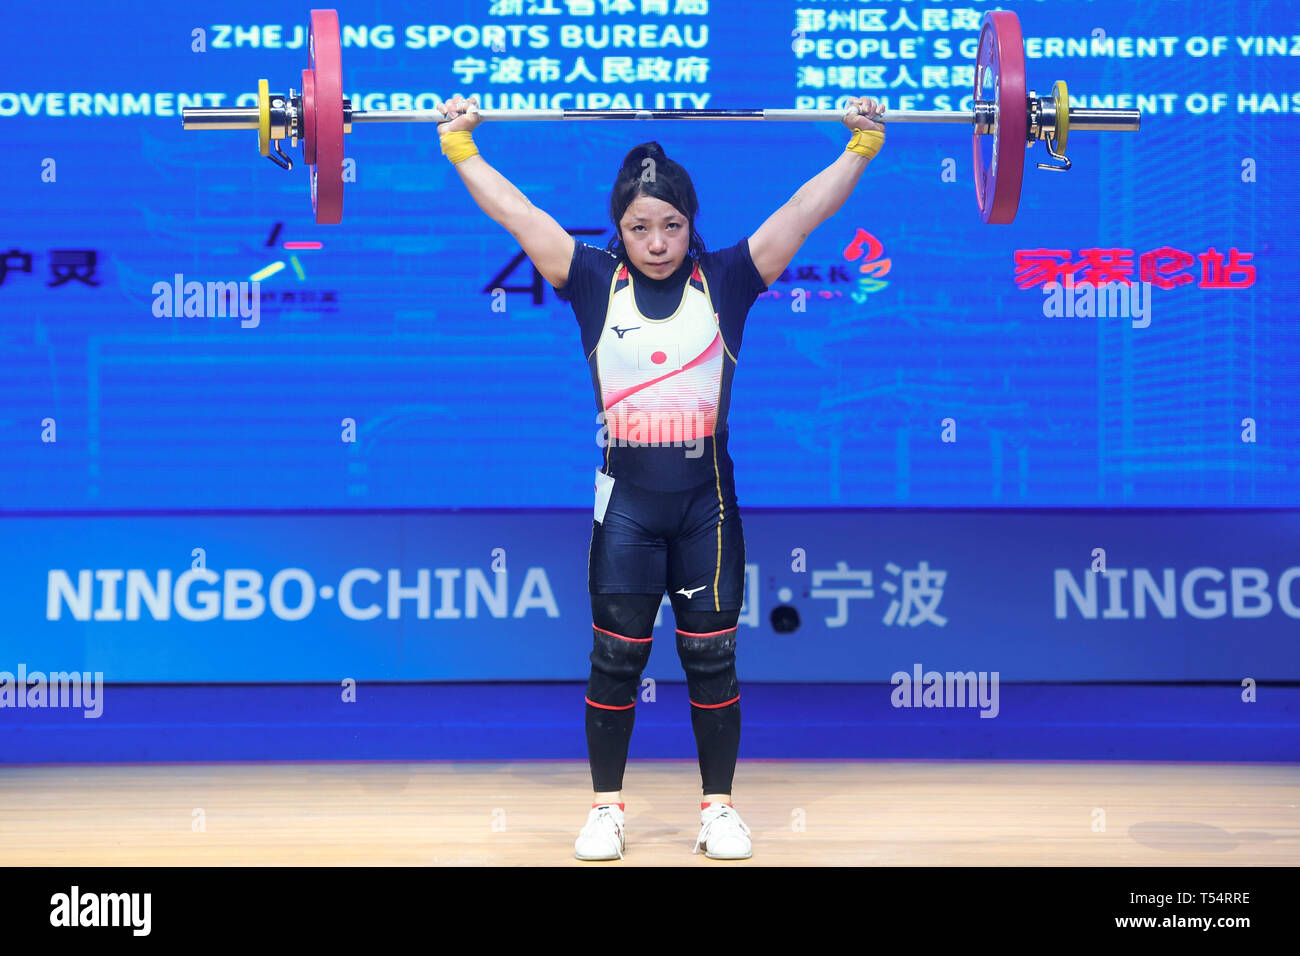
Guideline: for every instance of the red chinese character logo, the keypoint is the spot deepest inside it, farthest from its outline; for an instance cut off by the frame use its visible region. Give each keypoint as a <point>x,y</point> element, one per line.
<point>1237,274</point>
<point>1163,267</point>
<point>1040,266</point>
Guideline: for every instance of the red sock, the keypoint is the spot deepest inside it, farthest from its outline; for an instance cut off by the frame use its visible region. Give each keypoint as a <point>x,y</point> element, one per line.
<point>705,806</point>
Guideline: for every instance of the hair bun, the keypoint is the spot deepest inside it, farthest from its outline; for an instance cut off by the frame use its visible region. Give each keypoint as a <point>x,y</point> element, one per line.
<point>638,154</point>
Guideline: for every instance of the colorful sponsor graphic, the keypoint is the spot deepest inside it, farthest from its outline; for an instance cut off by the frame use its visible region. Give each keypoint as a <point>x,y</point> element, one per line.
<point>871,269</point>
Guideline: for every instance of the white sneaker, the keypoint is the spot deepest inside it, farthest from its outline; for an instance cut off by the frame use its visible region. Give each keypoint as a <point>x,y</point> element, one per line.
<point>723,834</point>
<point>602,837</point>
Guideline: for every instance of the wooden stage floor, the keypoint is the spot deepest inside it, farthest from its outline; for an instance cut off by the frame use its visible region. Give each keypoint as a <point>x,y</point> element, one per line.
<point>836,813</point>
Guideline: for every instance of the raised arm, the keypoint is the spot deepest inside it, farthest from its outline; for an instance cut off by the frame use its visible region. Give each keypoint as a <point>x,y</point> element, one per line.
<point>775,242</point>
<point>543,239</point>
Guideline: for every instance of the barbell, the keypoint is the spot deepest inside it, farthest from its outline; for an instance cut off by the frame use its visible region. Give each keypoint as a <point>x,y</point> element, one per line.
<point>1005,116</point>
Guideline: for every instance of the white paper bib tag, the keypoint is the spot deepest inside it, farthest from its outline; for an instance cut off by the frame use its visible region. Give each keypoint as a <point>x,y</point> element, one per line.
<point>604,488</point>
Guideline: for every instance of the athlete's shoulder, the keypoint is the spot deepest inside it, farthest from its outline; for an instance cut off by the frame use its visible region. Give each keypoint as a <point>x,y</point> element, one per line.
<point>727,255</point>
<point>733,263</point>
<point>593,259</point>
<point>589,271</point>
<point>598,250</point>
<point>594,254</point>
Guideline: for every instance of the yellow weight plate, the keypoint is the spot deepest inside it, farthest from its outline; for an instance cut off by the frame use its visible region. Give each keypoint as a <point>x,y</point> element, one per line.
<point>263,118</point>
<point>1062,97</point>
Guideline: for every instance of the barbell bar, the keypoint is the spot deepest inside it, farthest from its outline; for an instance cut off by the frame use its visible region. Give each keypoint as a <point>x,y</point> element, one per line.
<point>320,116</point>
<point>228,118</point>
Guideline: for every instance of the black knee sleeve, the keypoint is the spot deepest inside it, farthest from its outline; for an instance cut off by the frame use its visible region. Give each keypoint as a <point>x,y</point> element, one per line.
<point>621,629</point>
<point>706,644</point>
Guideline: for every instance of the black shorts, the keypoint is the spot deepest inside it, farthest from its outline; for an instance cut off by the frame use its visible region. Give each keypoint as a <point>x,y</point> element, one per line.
<point>689,543</point>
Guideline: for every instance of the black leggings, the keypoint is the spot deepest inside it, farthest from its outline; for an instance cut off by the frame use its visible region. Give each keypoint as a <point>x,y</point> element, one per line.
<point>706,644</point>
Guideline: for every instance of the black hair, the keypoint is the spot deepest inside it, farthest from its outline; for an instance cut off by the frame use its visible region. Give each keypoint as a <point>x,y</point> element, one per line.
<point>647,171</point>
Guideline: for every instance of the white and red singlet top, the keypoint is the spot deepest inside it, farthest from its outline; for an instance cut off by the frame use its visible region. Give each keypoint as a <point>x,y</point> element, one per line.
<point>662,354</point>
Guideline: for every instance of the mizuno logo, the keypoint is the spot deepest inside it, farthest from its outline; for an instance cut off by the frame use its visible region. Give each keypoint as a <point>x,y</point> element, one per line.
<point>691,592</point>
<point>615,328</point>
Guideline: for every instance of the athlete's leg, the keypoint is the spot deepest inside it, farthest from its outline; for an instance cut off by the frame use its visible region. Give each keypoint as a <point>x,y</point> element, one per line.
<point>706,644</point>
<point>627,574</point>
<point>621,638</point>
<point>706,575</point>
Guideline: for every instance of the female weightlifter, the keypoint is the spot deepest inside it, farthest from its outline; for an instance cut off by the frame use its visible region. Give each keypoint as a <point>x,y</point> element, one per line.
<point>661,321</point>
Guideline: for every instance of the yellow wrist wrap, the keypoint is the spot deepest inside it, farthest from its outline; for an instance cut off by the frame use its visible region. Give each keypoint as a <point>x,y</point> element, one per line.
<point>866,142</point>
<point>459,146</point>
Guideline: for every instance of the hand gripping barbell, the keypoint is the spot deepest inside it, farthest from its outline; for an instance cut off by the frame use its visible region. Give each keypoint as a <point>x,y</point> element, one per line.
<point>1005,115</point>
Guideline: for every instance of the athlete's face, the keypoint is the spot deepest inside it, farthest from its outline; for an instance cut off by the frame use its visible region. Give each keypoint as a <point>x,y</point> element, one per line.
<point>656,236</point>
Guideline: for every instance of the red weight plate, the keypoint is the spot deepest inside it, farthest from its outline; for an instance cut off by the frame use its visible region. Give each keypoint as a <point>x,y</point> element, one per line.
<point>309,117</point>
<point>326,61</point>
<point>1000,154</point>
